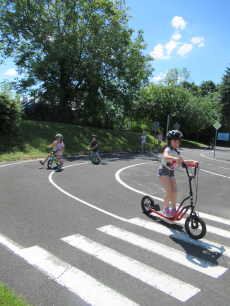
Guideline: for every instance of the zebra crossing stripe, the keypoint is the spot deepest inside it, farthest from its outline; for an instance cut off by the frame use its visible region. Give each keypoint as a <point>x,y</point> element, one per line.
<point>162,229</point>
<point>157,279</point>
<point>86,287</point>
<point>182,258</point>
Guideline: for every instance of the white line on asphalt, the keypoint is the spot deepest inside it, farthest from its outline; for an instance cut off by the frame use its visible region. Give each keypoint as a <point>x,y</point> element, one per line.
<point>86,287</point>
<point>177,256</point>
<point>117,176</point>
<point>215,173</point>
<point>23,162</point>
<point>157,279</point>
<point>82,201</point>
<point>224,168</point>
<point>212,247</point>
<point>222,161</point>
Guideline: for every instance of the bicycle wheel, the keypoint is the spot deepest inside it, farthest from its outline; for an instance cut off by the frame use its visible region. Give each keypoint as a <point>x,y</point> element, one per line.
<point>155,149</point>
<point>195,227</point>
<point>147,204</point>
<point>93,158</point>
<point>49,164</point>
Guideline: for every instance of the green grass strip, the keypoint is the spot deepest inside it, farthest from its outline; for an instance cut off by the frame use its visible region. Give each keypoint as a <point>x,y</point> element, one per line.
<point>9,298</point>
<point>35,136</point>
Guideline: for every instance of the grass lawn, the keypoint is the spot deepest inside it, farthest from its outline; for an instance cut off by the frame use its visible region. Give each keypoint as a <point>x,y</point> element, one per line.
<point>35,136</point>
<point>8,298</point>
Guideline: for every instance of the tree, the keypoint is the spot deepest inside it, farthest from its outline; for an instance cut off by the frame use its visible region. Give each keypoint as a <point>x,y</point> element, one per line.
<point>225,97</point>
<point>10,112</point>
<point>77,51</point>
<point>207,87</point>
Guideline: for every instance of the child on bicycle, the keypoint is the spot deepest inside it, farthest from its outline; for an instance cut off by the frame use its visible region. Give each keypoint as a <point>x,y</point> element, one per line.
<point>58,148</point>
<point>143,140</point>
<point>160,138</point>
<point>94,144</point>
<point>166,170</point>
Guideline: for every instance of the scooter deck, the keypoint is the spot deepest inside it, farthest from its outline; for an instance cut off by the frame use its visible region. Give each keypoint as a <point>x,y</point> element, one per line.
<point>161,212</point>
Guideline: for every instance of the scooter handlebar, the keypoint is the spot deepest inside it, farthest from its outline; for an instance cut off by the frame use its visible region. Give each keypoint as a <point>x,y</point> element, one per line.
<point>192,165</point>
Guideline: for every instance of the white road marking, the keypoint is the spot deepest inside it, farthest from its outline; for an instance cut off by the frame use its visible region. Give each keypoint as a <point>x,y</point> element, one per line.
<point>224,168</point>
<point>222,161</point>
<point>212,247</point>
<point>22,162</point>
<point>157,279</point>
<point>211,229</point>
<point>179,257</point>
<point>215,173</point>
<point>82,201</point>
<point>86,287</point>
<point>117,176</point>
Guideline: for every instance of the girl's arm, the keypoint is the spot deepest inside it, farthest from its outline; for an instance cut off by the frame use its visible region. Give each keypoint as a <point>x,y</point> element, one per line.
<point>169,158</point>
<point>191,162</point>
<point>52,144</point>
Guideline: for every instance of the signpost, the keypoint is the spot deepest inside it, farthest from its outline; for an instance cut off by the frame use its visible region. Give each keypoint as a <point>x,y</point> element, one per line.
<point>217,125</point>
<point>176,126</point>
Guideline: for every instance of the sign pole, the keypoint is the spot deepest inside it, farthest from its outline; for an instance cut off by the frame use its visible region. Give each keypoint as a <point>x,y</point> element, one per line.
<point>167,126</point>
<point>217,125</point>
<point>215,143</point>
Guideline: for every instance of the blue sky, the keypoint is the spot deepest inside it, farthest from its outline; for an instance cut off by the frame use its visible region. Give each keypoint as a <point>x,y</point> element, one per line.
<point>191,34</point>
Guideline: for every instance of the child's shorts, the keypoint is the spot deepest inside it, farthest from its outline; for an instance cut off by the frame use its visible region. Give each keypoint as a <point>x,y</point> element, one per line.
<point>163,171</point>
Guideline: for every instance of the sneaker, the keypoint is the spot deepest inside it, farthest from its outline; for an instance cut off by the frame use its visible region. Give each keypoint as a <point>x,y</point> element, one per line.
<point>62,162</point>
<point>42,162</point>
<point>166,212</point>
<point>172,211</point>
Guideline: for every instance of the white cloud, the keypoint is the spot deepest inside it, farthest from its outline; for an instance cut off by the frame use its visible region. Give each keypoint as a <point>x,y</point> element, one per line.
<point>185,49</point>
<point>11,71</point>
<point>176,36</point>
<point>178,22</point>
<point>170,46</point>
<point>159,77</point>
<point>198,40</point>
<point>158,52</point>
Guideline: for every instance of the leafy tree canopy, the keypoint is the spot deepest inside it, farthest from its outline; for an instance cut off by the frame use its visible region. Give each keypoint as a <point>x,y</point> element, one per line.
<point>76,51</point>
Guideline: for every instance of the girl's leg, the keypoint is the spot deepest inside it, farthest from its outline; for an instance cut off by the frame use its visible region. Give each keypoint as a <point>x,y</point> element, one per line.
<point>48,156</point>
<point>57,158</point>
<point>174,192</point>
<point>166,182</point>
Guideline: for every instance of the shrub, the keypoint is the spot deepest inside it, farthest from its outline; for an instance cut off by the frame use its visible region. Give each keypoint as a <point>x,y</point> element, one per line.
<point>10,112</point>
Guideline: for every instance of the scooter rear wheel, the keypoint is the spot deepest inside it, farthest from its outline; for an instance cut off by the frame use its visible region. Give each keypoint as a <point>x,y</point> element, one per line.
<point>195,227</point>
<point>147,204</point>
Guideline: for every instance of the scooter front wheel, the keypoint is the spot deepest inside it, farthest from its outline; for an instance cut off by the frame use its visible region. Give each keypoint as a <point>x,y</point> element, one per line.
<point>195,227</point>
<point>49,164</point>
<point>147,204</point>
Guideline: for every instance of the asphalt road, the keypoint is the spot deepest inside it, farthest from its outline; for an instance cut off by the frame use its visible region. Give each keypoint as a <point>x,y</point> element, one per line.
<point>77,236</point>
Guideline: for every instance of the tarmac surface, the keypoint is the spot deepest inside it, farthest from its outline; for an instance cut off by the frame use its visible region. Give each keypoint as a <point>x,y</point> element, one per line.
<point>78,236</point>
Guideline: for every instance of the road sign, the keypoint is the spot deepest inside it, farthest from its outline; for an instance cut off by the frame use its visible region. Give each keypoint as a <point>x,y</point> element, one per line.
<point>217,125</point>
<point>176,126</point>
<point>156,125</point>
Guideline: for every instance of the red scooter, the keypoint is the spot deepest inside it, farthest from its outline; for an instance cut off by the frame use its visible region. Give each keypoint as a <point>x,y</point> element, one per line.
<point>194,225</point>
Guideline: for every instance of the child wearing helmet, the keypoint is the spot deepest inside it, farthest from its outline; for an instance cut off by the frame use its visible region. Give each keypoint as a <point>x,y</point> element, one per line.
<point>166,170</point>
<point>143,140</point>
<point>58,148</point>
<point>94,144</point>
<point>160,138</point>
